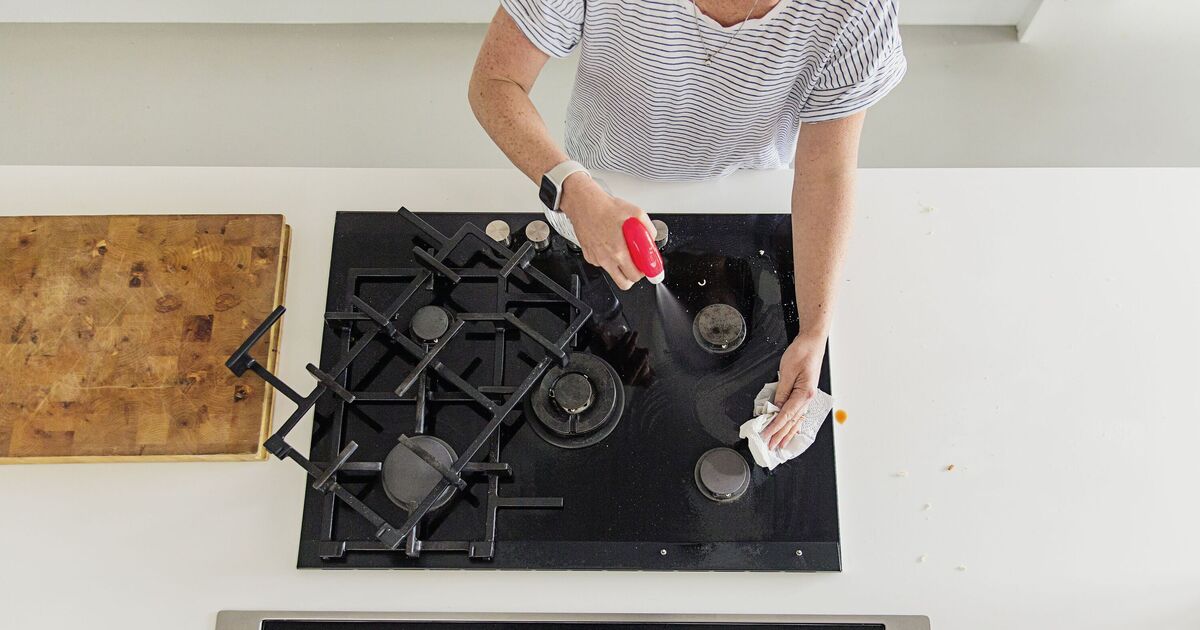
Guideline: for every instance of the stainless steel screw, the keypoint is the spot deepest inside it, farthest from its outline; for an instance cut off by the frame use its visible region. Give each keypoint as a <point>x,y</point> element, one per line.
<point>662,552</point>
<point>799,552</point>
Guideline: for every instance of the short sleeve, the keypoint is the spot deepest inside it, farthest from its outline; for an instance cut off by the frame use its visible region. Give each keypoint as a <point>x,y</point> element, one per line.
<point>554,26</point>
<point>866,62</point>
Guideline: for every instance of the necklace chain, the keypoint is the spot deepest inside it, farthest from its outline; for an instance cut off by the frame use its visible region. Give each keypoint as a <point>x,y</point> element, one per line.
<point>708,56</point>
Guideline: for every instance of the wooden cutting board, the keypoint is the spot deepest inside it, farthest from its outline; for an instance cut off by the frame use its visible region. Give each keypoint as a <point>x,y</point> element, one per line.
<point>114,332</point>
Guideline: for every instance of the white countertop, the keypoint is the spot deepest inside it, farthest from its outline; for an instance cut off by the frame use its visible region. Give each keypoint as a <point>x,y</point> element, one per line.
<point>1038,329</point>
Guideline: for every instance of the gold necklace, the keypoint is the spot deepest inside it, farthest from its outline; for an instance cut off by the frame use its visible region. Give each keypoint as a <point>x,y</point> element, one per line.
<point>704,43</point>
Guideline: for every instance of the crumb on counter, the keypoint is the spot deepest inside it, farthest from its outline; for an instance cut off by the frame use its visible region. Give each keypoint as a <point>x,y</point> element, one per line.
<point>950,468</point>
<point>922,558</point>
<point>900,473</point>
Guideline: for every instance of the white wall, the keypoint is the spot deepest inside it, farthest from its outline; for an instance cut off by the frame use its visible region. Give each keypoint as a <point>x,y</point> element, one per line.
<point>1098,84</point>
<point>989,12</point>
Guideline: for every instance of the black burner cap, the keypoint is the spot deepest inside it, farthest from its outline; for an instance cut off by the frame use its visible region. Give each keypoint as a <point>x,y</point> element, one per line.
<point>572,392</point>
<point>429,323</point>
<point>719,328</point>
<point>722,474</point>
<point>407,478</point>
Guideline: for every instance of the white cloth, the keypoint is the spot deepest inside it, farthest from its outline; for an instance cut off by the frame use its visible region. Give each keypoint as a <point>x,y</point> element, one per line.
<point>765,411</point>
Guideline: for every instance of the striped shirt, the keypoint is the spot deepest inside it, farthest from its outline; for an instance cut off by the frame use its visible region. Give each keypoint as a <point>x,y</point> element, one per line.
<point>646,103</point>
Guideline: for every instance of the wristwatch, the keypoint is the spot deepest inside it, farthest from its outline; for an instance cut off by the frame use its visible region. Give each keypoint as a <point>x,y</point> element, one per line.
<point>552,182</point>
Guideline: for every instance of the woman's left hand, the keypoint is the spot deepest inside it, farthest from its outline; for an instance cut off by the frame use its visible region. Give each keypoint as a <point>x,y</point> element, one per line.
<point>798,372</point>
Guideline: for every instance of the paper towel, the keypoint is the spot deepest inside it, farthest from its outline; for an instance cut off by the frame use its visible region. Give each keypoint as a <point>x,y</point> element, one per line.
<point>765,411</point>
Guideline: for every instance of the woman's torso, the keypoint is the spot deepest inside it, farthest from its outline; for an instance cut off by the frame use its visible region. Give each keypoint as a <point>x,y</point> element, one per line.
<point>647,102</point>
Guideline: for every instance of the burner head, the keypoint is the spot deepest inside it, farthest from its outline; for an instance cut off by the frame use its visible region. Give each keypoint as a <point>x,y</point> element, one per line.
<point>578,405</point>
<point>722,474</point>
<point>429,323</point>
<point>572,392</point>
<point>407,478</point>
<point>719,328</point>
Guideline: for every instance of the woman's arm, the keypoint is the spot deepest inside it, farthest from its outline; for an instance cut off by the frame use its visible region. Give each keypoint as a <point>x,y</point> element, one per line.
<point>505,71</point>
<point>822,211</point>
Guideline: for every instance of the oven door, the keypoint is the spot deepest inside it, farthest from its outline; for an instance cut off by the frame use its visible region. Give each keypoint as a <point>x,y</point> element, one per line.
<point>289,620</point>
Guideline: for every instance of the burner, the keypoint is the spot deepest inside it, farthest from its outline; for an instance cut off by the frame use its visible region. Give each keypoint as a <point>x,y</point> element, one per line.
<point>407,477</point>
<point>722,474</point>
<point>572,393</point>
<point>429,323</point>
<point>578,405</point>
<point>719,328</point>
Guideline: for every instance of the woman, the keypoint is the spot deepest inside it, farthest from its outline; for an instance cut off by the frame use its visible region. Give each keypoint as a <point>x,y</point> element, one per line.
<point>683,89</point>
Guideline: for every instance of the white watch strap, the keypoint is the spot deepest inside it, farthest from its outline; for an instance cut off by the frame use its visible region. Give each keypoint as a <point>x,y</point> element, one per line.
<point>559,174</point>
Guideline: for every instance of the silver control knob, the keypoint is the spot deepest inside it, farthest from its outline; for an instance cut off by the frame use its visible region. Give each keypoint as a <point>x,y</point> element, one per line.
<point>499,231</point>
<point>660,233</point>
<point>538,233</point>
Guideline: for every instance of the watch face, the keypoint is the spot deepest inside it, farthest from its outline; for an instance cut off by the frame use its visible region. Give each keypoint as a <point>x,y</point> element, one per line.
<point>548,193</point>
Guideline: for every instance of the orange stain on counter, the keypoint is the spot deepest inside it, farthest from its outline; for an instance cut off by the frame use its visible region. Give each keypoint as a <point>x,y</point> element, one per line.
<point>840,416</point>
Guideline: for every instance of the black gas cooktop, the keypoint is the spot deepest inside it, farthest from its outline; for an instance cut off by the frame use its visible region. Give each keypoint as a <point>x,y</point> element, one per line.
<point>485,399</point>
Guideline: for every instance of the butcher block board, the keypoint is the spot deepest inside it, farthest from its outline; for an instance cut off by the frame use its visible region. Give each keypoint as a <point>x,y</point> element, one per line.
<point>114,331</point>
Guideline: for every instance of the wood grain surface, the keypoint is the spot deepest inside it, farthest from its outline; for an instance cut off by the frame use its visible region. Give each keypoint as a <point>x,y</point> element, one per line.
<point>114,332</point>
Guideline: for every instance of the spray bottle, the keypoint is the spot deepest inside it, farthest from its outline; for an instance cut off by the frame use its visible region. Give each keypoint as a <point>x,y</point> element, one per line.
<point>642,249</point>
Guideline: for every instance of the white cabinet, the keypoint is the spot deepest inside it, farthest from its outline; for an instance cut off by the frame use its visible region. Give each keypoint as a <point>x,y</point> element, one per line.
<point>991,12</point>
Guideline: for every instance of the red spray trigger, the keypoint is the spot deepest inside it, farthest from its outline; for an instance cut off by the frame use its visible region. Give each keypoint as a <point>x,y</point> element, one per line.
<point>642,250</point>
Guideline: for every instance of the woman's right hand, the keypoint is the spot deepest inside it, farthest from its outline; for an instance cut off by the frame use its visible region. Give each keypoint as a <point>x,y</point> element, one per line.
<point>597,218</point>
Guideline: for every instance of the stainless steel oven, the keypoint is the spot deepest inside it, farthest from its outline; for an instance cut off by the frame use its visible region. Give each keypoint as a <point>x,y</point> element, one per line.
<point>309,620</point>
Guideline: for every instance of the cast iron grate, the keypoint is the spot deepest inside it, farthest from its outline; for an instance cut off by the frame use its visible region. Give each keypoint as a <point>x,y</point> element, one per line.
<point>496,400</point>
